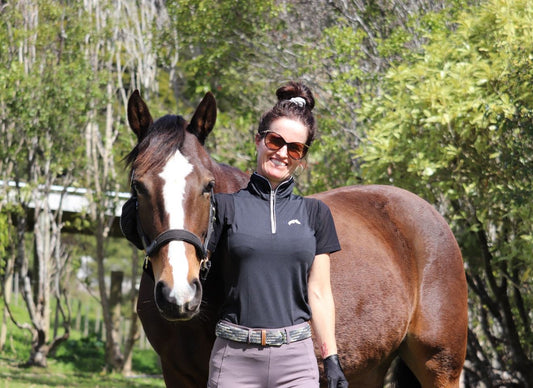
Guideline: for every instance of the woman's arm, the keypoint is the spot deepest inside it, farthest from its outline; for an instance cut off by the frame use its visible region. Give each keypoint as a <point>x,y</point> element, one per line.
<point>323,320</point>
<point>322,305</point>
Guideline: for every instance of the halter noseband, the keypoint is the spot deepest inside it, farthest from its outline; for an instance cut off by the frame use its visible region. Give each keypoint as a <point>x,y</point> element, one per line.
<point>179,235</point>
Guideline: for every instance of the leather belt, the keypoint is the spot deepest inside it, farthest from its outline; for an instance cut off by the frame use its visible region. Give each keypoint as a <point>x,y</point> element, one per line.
<point>264,337</point>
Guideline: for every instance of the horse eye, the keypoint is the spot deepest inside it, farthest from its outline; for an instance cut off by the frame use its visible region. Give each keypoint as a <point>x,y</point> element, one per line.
<point>138,187</point>
<point>209,187</point>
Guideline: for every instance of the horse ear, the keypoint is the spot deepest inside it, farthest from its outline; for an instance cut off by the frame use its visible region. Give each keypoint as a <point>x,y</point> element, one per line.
<point>139,116</point>
<point>204,118</point>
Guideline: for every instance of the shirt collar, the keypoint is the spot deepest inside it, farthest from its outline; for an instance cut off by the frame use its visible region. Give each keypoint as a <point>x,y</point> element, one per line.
<point>260,186</point>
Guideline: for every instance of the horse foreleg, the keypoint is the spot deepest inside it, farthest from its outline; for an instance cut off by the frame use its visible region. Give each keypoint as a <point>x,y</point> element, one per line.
<point>174,377</point>
<point>374,378</point>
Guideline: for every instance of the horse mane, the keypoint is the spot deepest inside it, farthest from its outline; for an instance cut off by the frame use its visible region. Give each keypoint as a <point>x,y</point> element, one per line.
<point>164,137</point>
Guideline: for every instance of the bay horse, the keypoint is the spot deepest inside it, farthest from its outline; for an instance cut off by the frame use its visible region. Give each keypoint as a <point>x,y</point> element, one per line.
<point>398,282</point>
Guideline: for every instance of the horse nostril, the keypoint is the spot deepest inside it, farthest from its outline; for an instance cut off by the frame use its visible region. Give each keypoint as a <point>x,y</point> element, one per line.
<point>194,303</point>
<point>162,293</point>
<point>196,285</point>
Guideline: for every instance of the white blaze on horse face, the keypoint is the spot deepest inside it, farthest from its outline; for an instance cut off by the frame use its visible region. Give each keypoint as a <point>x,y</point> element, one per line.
<point>174,175</point>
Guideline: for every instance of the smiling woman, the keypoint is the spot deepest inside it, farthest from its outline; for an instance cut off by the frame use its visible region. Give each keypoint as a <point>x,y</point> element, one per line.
<point>280,243</point>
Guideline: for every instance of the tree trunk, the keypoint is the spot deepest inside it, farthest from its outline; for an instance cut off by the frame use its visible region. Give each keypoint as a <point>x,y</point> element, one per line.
<point>7,288</point>
<point>27,294</point>
<point>115,300</point>
<point>42,265</point>
<point>134,332</point>
<point>114,357</point>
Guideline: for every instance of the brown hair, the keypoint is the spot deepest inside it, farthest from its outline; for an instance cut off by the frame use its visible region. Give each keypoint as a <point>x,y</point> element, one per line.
<point>293,109</point>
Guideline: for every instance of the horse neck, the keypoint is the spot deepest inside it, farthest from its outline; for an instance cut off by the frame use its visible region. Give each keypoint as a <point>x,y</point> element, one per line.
<point>229,179</point>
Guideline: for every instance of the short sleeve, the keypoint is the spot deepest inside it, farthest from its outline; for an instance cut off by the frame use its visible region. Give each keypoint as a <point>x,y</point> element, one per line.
<point>320,217</point>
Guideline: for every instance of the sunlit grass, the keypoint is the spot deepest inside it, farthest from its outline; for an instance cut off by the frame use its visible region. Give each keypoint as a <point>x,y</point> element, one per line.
<point>56,375</point>
<point>78,362</point>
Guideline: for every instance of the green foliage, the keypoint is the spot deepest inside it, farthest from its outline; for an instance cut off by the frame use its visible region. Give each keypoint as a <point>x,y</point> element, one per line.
<point>86,355</point>
<point>45,88</point>
<point>5,233</point>
<point>19,340</point>
<point>455,126</point>
<point>223,48</point>
<point>331,164</point>
<point>216,45</point>
<point>349,60</point>
<point>459,114</point>
<point>83,355</point>
<point>232,142</point>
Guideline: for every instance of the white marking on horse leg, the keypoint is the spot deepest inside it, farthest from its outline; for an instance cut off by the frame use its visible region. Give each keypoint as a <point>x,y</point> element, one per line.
<point>174,174</point>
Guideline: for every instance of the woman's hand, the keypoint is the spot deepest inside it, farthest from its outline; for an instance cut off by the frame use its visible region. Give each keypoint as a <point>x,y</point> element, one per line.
<point>334,373</point>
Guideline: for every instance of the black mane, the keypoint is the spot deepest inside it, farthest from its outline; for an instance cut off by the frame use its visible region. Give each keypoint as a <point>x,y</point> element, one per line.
<point>164,137</point>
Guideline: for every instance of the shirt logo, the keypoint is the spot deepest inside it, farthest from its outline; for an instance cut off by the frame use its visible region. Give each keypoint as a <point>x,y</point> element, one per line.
<point>292,222</point>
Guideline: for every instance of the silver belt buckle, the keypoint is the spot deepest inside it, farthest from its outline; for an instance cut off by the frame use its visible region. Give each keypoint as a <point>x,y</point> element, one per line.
<point>278,337</point>
<point>283,337</point>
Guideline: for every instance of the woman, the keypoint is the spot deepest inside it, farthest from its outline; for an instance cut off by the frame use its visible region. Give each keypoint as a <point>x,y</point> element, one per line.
<point>280,243</point>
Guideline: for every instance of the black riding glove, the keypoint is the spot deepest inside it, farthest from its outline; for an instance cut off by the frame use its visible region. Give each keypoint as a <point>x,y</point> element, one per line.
<point>334,373</point>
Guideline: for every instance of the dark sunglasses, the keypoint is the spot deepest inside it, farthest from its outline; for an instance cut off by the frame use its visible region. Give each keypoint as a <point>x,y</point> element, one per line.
<point>274,142</point>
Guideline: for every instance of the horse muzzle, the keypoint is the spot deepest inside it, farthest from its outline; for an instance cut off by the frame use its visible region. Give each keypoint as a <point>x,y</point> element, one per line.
<point>171,308</point>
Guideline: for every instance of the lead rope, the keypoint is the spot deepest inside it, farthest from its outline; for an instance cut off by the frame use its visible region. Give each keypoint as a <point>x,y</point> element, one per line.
<point>205,263</point>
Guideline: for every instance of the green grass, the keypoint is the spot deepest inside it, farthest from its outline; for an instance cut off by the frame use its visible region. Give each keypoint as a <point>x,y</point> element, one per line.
<point>78,362</point>
<point>12,376</point>
<point>82,370</point>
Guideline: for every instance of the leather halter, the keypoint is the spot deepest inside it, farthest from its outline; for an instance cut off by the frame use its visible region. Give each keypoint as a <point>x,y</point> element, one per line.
<point>152,247</point>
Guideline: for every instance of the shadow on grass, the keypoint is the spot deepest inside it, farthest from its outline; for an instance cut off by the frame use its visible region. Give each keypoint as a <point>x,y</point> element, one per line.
<point>88,355</point>
<point>83,355</point>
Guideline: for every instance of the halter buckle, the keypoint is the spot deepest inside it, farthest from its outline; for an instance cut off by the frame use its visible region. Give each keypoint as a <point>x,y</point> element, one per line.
<point>205,266</point>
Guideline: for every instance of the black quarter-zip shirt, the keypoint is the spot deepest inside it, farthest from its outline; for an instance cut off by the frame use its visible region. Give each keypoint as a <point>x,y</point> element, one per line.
<point>272,238</point>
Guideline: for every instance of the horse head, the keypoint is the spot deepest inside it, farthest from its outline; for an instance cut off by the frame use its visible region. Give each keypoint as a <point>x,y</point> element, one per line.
<point>173,178</point>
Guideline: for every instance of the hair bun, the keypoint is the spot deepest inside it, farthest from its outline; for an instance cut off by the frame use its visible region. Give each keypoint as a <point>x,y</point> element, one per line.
<point>296,92</point>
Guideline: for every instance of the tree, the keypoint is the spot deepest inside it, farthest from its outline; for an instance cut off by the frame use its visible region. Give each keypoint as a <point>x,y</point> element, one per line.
<point>454,125</point>
<point>120,50</point>
<point>348,60</point>
<point>243,52</point>
<point>39,110</point>
<point>223,47</point>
